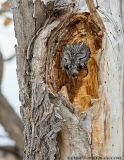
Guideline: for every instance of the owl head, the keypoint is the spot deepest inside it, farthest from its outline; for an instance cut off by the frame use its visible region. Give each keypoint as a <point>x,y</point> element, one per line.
<point>75,58</point>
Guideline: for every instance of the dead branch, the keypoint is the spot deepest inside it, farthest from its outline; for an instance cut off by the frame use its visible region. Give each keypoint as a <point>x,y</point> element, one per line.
<point>11,122</point>
<point>2,10</point>
<point>10,58</point>
<point>11,149</point>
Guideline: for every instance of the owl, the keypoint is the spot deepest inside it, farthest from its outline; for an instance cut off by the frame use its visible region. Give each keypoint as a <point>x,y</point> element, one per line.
<point>75,58</point>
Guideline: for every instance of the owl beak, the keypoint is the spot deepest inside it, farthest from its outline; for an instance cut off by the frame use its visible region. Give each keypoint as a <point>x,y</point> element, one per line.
<point>74,73</point>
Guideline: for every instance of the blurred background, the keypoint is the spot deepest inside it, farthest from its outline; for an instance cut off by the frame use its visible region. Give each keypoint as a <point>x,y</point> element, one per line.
<point>11,128</point>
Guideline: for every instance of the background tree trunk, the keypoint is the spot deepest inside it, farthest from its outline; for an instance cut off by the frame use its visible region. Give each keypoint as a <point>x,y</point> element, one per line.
<point>12,124</point>
<point>64,117</point>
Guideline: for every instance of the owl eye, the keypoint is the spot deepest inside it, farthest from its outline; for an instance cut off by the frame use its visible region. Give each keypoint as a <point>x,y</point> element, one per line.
<point>84,56</point>
<point>79,66</point>
<point>66,66</point>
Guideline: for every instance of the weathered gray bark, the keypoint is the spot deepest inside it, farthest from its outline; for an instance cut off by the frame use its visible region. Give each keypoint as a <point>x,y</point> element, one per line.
<point>63,117</point>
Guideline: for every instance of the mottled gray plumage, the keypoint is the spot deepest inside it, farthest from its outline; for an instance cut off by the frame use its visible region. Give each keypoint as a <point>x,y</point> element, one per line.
<point>75,58</point>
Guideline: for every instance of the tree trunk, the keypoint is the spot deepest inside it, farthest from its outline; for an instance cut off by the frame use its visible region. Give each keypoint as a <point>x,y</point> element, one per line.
<point>65,117</point>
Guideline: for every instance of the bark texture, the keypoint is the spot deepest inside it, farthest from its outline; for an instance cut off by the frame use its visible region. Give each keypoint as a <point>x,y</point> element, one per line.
<point>64,117</point>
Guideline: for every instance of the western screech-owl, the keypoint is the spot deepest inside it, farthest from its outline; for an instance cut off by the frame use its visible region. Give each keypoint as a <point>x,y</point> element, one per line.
<point>75,58</point>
